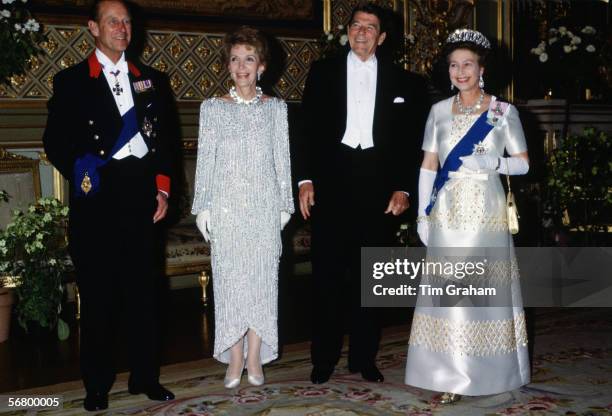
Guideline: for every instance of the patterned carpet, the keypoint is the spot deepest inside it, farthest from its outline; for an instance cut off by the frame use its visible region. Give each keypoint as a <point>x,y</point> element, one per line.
<point>572,376</point>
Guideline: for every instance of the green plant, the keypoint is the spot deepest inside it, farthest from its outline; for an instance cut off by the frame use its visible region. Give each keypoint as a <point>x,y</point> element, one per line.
<point>4,197</point>
<point>33,248</point>
<point>19,37</point>
<point>579,183</point>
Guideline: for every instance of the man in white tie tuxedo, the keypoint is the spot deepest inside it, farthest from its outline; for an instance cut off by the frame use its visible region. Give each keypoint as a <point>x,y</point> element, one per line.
<point>108,133</point>
<point>362,122</point>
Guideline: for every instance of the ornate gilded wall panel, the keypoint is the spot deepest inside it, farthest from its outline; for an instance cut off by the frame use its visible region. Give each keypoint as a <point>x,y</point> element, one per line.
<point>341,9</point>
<point>426,25</point>
<point>191,60</point>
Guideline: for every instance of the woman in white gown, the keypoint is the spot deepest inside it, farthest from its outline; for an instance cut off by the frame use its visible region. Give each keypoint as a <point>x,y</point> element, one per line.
<point>468,350</point>
<point>242,200</point>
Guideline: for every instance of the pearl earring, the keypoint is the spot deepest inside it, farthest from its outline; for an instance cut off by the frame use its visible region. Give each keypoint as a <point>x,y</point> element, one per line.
<point>452,86</point>
<point>481,83</point>
<point>259,76</point>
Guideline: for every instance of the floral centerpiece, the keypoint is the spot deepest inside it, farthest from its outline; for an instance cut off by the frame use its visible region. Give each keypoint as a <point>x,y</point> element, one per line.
<point>19,37</point>
<point>33,249</point>
<point>568,60</point>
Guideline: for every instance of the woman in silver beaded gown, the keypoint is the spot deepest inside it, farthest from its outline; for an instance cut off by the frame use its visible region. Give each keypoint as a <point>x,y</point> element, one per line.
<point>469,350</point>
<point>242,201</point>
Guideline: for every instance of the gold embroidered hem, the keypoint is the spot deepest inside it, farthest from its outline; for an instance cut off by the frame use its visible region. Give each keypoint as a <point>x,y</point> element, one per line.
<point>473,338</point>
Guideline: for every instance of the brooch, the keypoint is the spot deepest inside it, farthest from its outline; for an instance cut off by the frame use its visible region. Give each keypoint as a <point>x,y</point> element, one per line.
<point>495,114</point>
<point>480,149</point>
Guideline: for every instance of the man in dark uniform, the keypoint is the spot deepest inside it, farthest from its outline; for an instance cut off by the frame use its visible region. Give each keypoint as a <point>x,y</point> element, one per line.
<point>363,119</point>
<point>107,133</point>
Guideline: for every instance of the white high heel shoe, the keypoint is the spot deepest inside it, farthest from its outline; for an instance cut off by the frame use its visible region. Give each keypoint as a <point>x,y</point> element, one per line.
<point>256,380</point>
<point>231,383</point>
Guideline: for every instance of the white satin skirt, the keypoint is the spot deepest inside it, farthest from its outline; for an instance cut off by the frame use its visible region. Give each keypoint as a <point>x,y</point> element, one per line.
<point>471,350</point>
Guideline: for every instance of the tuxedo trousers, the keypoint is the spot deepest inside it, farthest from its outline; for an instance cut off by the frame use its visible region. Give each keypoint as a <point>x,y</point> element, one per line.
<point>346,217</point>
<point>112,244</point>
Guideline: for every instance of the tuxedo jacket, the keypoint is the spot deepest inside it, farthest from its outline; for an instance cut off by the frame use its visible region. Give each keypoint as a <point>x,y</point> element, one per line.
<point>400,111</point>
<point>83,119</point>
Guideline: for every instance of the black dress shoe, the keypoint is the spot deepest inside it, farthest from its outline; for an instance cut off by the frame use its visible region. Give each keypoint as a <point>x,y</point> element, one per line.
<point>372,374</point>
<point>320,375</point>
<point>353,369</point>
<point>95,401</point>
<point>153,392</point>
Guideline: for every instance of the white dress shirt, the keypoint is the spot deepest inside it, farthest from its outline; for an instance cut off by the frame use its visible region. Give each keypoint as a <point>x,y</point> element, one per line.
<point>120,82</point>
<point>360,100</point>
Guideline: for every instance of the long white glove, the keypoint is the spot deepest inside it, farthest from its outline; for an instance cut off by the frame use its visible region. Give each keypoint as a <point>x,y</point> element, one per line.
<point>512,165</point>
<point>284,219</point>
<point>203,223</point>
<point>426,182</point>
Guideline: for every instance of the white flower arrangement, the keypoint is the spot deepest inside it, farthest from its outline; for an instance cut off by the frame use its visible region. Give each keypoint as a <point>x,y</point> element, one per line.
<point>20,35</point>
<point>333,41</point>
<point>567,59</point>
<point>566,40</point>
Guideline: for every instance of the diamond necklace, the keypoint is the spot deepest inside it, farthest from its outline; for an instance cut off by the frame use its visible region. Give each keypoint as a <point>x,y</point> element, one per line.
<point>469,110</point>
<point>238,99</point>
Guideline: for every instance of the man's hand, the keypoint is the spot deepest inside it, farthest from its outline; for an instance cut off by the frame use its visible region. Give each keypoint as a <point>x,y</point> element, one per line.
<point>398,203</point>
<point>306,199</point>
<point>162,207</point>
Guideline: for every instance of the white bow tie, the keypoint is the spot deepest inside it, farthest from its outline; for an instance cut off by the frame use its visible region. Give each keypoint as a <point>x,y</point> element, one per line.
<point>369,64</point>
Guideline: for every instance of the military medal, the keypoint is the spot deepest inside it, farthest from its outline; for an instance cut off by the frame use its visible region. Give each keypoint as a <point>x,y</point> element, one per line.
<point>86,184</point>
<point>117,88</point>
<point>142,86</point>
<point>147,127</point>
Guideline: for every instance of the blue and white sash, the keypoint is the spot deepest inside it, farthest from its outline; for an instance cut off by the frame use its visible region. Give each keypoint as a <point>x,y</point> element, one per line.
<point>88,164</point>
<point>465,147</point>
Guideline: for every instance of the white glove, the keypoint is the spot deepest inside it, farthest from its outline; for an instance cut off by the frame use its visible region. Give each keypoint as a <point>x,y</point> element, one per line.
<point>513,165</point>
<point>423,230</point>
<point>426,182</point>
<point>284,219</point>
<point>203,223</point>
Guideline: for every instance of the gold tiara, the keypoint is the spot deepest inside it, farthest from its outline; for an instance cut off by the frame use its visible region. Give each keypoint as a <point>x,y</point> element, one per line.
<point>469,35</point>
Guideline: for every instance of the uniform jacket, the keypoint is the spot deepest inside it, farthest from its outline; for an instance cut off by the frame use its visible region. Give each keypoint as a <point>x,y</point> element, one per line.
<point>83,117</point>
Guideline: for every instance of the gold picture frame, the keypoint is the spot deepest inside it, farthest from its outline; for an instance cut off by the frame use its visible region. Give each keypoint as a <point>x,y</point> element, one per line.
<point>20,178</point>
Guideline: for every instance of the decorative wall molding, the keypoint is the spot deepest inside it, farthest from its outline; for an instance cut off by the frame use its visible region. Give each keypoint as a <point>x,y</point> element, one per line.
<point>191,60</point>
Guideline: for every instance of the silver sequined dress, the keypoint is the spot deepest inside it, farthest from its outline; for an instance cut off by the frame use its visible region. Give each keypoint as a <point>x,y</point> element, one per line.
<point>243,177</point>
<point>471,350</point>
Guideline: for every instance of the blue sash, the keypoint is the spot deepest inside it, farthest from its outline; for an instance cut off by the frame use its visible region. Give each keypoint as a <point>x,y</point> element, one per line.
<point>89,163</point>
<point>465,147</point>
